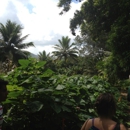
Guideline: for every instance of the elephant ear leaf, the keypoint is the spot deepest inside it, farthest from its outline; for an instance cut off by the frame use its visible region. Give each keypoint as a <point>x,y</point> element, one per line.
<point>23,62</point>
<point>60,87</point>
<point>34,106</point>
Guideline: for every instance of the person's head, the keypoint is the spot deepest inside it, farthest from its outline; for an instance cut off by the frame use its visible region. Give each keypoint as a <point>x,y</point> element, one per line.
<point>3,90</point>
<point>105,105</point>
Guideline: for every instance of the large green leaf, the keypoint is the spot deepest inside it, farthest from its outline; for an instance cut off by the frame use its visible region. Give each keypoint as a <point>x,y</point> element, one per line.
<point>56,107</point>
<point>47,73</point>
<point>34,106</point>
<point>45,90</point>
<point>60,87</point>
<point>64,108</point>
<point>14,94</point>
<point>24,63</point>
<point>41,63</point>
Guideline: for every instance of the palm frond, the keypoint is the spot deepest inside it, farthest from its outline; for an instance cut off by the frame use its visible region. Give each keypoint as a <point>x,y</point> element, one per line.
<point>20,40</point>
<point>11,41</point>
<point>64,49</point>
<point>25,45</point>
<point>3,32</point>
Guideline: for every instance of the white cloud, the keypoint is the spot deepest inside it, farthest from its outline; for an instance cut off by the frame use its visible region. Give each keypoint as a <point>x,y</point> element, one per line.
<point>3,7</point>
<point>40,19</point>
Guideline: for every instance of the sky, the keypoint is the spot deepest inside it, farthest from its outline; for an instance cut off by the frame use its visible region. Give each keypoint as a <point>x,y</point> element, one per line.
<point>40,19</point>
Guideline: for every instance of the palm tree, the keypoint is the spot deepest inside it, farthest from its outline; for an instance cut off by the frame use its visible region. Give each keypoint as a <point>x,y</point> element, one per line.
<point>43,56</point>
<point>65,49</point>
<point>11,42</point>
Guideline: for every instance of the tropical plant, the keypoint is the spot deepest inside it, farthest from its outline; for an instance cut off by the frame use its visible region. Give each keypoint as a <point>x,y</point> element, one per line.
<point>11,42</point>
<point>65,50</point>
<point>43,56</point>
<point>107,22</point>
<point>37,98</point>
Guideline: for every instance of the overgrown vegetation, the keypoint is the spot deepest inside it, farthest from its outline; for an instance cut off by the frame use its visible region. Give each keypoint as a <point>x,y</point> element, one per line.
<point>37,98</point>
<point>61,89</point>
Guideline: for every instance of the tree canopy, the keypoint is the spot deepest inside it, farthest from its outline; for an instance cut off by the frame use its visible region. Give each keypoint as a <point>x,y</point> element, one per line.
<point>106,22</point>
<point>11,42</point>
<point>65,49</point>
<point>43,55</point>
<point>66,5</point>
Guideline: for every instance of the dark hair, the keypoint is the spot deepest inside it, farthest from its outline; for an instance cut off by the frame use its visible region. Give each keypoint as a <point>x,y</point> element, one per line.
<point>3,82</point>
<point>105,105</point>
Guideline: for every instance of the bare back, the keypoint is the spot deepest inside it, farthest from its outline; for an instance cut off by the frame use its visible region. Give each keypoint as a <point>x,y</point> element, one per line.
<point>101,124</point>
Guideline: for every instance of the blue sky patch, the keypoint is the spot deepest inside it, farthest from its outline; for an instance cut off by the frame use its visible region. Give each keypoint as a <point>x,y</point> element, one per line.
<point>30,8</point>
<point>75,1</point>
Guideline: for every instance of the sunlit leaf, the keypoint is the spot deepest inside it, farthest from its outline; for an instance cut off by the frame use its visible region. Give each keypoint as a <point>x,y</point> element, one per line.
<point>60,87</point>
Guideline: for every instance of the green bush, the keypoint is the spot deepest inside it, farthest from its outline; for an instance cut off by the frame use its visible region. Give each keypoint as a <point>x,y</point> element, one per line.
<point>39,99</point>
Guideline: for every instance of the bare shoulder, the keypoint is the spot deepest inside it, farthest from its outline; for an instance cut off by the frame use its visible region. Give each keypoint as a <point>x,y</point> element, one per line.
<point>87,124</point>
<point>90,123</point>
<point>122,127</point>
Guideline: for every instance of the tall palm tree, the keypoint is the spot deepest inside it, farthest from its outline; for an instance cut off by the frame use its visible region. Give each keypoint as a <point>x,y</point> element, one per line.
<point>11,42</point>
<point>43,56</point>
<point>64,49</point>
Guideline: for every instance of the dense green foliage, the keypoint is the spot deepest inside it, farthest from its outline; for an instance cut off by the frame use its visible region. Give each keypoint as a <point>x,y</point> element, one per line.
<point>106,22</point>
<point>66,5</point>
<point>37,98</point>
<point>59,92</point>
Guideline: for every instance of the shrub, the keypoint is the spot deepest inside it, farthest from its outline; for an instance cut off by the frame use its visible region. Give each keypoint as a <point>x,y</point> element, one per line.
<point>39,99</point>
